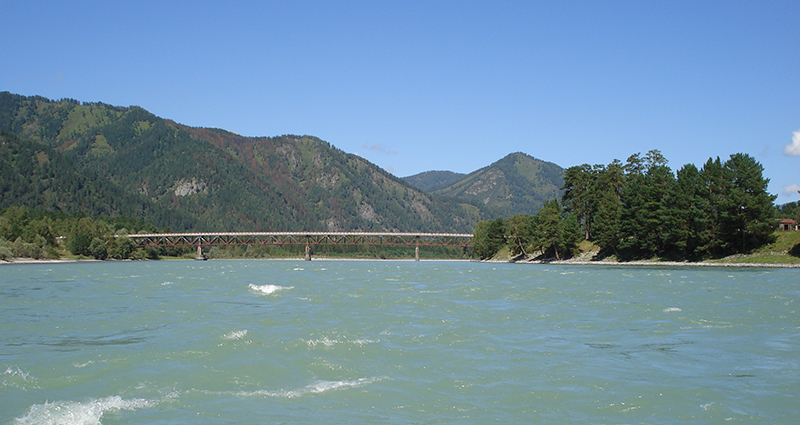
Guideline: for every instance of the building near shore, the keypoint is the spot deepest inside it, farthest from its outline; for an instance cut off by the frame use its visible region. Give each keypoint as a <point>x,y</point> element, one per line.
<point>788,224</point>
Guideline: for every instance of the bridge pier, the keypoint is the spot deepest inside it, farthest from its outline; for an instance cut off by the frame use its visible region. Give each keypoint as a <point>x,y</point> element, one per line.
<point>200,256</point>
<point>416,253</point>
<point>308,252</point>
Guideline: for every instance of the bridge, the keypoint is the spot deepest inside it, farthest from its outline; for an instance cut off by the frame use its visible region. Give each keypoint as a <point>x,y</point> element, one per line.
<point>308,239</point>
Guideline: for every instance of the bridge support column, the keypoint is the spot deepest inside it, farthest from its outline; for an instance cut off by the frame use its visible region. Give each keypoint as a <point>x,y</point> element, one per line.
<point>308,252</point>
<point>200,256</point>
<point>416,253</point>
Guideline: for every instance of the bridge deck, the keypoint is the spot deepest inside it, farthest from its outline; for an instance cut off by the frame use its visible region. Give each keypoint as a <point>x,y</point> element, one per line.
<point>303,238</point>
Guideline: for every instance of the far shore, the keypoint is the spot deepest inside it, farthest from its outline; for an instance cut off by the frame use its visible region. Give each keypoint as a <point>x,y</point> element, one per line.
<point>569,262</point>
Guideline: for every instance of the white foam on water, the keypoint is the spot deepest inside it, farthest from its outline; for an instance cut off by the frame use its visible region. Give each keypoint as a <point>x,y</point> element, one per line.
<point>268,289</point>
<point>331,342</point>
<point>235,335</point>
<point>15,377</point>
<point>313,388</point>
<point>167,283</point>
<point>324,341</point>
<point>16,371</point>
<point>671,309</point>
<point>79,413</point>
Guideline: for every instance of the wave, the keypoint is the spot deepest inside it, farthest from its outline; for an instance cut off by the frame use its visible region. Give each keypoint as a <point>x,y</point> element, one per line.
<point>331,342</point>
<point>268,289</point>
<point>235,335</point>
<point>77,413</point>
<point>671,309</point>
<point>16,377</point>
<point>313,388</point>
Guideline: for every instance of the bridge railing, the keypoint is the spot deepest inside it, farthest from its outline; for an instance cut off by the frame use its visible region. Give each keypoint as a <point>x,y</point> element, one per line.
<point>302,238</point>
<point>200,240</point>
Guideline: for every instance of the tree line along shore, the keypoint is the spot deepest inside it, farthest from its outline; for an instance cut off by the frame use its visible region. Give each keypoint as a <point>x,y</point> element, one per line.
<point>28,235</point>
<point>641,211</point>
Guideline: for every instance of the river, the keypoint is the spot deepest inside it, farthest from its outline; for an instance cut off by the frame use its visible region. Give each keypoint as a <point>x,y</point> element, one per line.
<point>396,342</point>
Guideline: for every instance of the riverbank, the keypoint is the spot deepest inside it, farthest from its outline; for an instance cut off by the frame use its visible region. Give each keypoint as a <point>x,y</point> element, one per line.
<point>575,262</point>
<point>783,253</point>
<point>657,263</point>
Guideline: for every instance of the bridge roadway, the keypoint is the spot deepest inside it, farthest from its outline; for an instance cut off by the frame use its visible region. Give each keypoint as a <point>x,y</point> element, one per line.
<point>302,238</point>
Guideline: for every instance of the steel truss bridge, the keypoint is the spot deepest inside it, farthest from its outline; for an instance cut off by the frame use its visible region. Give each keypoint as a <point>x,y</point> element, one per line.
<point>309,239</point>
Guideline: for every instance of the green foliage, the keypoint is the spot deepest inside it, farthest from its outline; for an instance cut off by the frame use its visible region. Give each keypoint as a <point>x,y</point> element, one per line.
<point>749,209</point>
<point>519,233</point>
<point>789,210</point>
<point>488,238</point>
<point>795,251</point>
<point>98,249</point>
<point>39,234</point>
<point>434,180</point>
<point>6,254</point>
<point>641,209</point>
<point>555,235</point>
<point>121,247</point>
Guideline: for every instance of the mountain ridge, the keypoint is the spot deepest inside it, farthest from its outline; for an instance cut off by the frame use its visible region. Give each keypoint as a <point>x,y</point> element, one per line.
<point>515,184</point>
<point>222,180</point>
<point>198,178</point>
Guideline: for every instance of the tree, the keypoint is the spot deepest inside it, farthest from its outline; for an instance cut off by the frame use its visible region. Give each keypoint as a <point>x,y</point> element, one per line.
<point>98,249</point>
<point>488,238</point>
<point>648,208</point>
<point>519,231</point>
<point>554,234</point>
<point>121,247</point>
<point>608,190</point>
<point>580,197</point>
<point>715,187</point>
<point>692,229</point>
<point>749,210</point>
<point>81,237</point>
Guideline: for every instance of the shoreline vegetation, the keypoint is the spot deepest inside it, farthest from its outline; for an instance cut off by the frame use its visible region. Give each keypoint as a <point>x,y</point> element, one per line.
<point>779,254</point>
<point>571,262</point>
<point>641,212</point>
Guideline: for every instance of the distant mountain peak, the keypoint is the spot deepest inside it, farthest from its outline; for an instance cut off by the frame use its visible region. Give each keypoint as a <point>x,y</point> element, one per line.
<point>515,184</point>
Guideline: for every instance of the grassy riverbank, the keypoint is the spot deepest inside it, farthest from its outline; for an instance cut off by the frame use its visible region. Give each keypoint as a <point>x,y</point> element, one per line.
<point>784,252</point>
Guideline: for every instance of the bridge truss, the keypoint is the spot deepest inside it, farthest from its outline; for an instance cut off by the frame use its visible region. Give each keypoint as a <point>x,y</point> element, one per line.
<point>303,238</point>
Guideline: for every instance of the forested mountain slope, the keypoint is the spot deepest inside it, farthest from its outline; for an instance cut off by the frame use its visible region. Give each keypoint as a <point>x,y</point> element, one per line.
<point>36,176</point>
<point>516,184</point>
<point>211,179</point>
<point>432,180</point>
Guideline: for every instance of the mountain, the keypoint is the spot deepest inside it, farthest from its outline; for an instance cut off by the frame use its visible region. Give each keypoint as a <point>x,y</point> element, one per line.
<point>125,160</point>
<point>433,180</point>
<point>516,184</point>
<point>37,176</point>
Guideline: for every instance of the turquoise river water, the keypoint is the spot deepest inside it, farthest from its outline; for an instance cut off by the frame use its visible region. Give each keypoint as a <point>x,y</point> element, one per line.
<point>394,342</point>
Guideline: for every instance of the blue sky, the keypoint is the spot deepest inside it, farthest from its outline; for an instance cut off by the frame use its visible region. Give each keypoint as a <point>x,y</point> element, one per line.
<point>435,85</point>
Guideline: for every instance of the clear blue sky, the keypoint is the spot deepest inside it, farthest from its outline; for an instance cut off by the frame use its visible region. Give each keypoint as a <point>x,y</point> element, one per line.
<point>435,85</point>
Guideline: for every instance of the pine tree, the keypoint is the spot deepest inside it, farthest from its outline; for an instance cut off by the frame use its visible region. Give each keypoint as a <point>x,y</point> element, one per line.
<point>750,209</point>
<point>579,196</point>
<point>608,191</point>
<point>488,238</point>
<point>692,229</point>
<point>519,232</point>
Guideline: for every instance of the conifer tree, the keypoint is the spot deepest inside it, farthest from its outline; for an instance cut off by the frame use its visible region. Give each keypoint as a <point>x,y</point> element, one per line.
<point>749,208</point>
